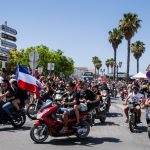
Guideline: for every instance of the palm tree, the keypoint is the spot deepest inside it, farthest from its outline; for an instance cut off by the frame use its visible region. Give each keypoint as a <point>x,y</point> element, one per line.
<point>107,63</point>
<point>94,60</point>
<point>115,38</point>
<point>111,62</point>
<point>137,49</point>
<point>98,65</point>
<point>129,26</point>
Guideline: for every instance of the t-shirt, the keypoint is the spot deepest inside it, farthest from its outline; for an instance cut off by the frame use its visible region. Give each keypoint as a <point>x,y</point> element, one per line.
<point>89,95</point>
<point>74,95</point>
<point>135,97</point>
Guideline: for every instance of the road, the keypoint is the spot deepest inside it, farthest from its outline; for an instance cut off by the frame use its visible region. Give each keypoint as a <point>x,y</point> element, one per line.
<point>114,134</point>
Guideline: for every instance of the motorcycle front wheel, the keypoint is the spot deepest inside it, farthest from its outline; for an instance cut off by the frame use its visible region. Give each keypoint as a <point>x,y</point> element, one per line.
<point>148,130</point>
<point>39,133</point>
<point>132,124</point>
<point>32,111</point>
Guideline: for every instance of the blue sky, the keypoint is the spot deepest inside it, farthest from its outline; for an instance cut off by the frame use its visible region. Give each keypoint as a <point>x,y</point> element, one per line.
<point>78,27</point>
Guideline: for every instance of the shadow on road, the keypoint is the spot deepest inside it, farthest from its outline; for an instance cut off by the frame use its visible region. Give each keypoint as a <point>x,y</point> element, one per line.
<point>141,129</point>
<point>90,141</point>
<point>107,123</point>
<point>12,129</point>
<point>114,114</point>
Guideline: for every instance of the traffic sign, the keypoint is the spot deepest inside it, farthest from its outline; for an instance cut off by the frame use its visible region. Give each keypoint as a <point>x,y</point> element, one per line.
<point>8,29</point>
<point>148,74</point>
<point>4,58</point>
<point>8,37</point>
<point>33,56</point>
<point>8,44</point>
<point>4,50</point>
<point>33,65</point>
<point>40,70</point>
<point>50,66</point>
<point>148,68</point>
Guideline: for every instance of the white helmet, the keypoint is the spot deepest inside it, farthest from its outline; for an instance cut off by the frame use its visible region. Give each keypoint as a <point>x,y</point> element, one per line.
<point>12,80</point>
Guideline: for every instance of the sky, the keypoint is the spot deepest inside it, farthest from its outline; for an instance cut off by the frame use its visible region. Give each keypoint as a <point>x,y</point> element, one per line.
<point>78,27</point>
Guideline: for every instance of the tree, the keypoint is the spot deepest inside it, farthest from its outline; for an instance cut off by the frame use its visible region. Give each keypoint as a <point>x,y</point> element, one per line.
<point>98,65</point>
<point>111,62</point>
<point>129,25</point>
<point>62,63</point>
<point>95,60</point>
<point>107,63</point>
<point>115,38</point>
<point>137,49</point>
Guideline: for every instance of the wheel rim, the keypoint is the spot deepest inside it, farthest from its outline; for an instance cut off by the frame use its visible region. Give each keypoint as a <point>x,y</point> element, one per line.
<point>40,132</point>
<point>18,120</point>
<point>32,111</point>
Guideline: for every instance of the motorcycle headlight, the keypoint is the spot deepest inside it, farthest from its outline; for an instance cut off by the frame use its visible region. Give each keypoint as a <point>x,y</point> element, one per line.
<point>39,115</point>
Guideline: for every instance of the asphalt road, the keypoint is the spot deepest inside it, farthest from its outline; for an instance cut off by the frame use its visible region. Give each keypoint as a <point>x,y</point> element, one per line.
<point>114,134</point>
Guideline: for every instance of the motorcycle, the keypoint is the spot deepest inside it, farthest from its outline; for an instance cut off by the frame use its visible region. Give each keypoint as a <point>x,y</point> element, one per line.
<point>50,123</point>
<point>106,100</point>
<point>18,118</point>
<point>148,120</point>
<point>133,116</point>
<point>101,114</point>
<point>114,92</point>
<point>33,107</point>
<point>123,94</point>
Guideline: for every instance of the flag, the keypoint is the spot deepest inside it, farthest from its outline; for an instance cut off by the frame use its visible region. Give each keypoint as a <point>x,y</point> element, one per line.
<point>26,81</point>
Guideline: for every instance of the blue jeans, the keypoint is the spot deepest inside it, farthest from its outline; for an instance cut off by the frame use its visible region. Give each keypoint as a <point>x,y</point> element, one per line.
<point>6,107</point>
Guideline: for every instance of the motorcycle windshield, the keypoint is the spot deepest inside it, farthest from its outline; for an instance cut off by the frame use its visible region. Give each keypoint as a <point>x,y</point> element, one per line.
<point>47,104</point>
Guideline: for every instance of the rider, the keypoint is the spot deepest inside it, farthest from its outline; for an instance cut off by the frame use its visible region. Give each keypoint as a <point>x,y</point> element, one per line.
<point>134,96</point>
<point>68,102</point>
<point>87,99</point>
<point>9,94</point>
<point>147,102</point>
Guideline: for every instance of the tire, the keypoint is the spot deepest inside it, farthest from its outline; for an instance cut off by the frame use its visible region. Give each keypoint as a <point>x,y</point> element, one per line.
<point>148,130</point>
<point>18,120</point>
<point>132,123</point>
<point>81,134</point>
<point>39,128</point>
<point>31,112</point>
<point>102,119</point>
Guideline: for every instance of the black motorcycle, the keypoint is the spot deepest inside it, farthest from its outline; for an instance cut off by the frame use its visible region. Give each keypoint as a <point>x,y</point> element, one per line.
<point>17,120</point>
<point>106,100</point>
<point>100,114</point>
<point>133,116</point>
<point>148,121</point>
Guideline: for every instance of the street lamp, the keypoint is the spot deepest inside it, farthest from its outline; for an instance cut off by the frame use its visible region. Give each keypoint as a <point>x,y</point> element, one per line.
<point>118,65</point>
<point>103,72</point>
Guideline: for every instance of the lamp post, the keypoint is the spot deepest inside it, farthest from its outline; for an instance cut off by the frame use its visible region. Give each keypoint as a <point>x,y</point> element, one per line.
<point>102,72</point>
<point>118,65</point>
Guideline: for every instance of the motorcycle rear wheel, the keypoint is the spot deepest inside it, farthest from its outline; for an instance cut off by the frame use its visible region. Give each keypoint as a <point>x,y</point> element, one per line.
<point>84,125</point>
<point>39,133</point>
<point>18,120</point>
<point>102,119</point>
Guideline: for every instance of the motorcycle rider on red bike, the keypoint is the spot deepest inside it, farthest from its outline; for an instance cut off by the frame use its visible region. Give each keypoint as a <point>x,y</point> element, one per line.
<point>68,102</point>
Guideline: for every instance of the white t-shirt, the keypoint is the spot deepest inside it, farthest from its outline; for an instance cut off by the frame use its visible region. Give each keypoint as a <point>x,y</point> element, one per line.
<point>135,97</point>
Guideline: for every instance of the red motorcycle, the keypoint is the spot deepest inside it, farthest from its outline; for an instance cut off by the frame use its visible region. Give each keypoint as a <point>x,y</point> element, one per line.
<point>123,93</point>
<point>50,124</point>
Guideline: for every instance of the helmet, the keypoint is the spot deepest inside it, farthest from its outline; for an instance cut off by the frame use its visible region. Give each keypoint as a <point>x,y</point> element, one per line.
<point>11,81</point>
